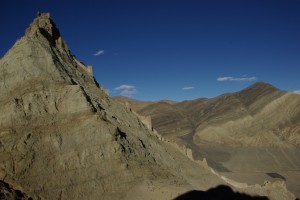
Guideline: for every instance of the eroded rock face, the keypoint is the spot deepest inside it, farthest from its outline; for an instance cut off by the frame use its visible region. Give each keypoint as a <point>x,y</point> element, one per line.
<point>44,26</point>
<point>63,137</point>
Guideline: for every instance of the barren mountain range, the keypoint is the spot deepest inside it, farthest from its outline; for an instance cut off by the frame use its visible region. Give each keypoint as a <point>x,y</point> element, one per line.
<point>265,115</point>
<point>63,137</point>
<point>247,135</point>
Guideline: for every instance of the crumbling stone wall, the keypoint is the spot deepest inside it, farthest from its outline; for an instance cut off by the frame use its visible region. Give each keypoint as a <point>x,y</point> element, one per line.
<point>89,69</point>
<point>146,120</point>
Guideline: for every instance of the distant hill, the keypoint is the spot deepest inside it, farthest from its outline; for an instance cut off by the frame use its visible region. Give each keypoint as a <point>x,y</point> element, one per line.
<point>260,115</point>
<point>246,135</point>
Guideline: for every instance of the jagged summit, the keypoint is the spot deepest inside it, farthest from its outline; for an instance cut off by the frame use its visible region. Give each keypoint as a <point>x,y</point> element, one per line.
<point>41,58</point>
<point>43,25</point>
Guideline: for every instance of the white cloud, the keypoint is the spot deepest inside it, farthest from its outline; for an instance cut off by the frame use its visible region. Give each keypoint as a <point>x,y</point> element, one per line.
<point>296,91</point>
<point>126,90</point>
<point>188,88</point>
<point>125,87</point>
<point>226,78</point>
<point>98,53</point>
<point>230,78</point>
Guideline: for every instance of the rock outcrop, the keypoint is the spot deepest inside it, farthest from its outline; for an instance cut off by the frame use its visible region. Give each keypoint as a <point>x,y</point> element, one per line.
<point>63,137</point>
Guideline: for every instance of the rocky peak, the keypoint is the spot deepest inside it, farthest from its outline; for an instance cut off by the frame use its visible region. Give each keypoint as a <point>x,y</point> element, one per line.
<point>258,89</point>
<point>262,85</point>
<point>44,26</point>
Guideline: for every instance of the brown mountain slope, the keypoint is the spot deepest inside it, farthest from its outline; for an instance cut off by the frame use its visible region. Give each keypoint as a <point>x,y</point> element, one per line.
<point>134,104</point>
<point>204,116</point>
<point>167,118</point>
<point>260,115</point>
<point>245,135</point>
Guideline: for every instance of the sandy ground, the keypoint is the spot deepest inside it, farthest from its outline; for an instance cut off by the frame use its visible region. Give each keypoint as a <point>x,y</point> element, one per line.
<point>252,165</point>
<point>258,165</point>
<point>292,178</point>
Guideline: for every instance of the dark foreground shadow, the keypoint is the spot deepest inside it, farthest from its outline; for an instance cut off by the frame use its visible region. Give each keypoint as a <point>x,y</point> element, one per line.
<point>7,193</point>
<point>221,192</point>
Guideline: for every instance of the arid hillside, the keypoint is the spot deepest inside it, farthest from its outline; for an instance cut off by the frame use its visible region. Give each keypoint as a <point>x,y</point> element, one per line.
<point>246,135</point>
<point>260,115</point>
<point>63,137</point>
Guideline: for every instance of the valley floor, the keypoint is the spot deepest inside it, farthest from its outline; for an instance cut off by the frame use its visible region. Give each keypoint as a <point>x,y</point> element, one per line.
<point>252,165</point>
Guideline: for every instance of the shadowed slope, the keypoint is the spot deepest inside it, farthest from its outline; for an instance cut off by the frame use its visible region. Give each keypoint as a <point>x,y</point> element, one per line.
<point>9,193</point>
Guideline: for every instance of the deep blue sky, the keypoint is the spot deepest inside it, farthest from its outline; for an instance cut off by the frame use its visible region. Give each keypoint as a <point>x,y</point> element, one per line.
<point>155,48</point>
